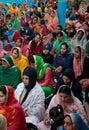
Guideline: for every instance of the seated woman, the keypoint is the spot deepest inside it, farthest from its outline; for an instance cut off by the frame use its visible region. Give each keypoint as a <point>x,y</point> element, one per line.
<point>3,123</point>
<point>68,101</point>
<point>9,73</point>
<point>81,66</point>
<point>73,121</point>
<point>63,59</point>
<point>44,74</point>
<point>11,109</point>
<point>19,60</point>
<point>31,96</point>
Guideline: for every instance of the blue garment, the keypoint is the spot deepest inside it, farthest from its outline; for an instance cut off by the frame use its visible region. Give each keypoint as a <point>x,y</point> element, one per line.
<point>63,60</point>
<point>80,124</point>
<point>75,85</point>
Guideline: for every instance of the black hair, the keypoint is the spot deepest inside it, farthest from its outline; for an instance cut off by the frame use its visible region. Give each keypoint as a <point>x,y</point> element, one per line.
<point>60,32</point>
<point>31,60</point>
<point>15,49</point>
<point>59,26</point>
<point>81,32</point>
<point>20,39</point>
<point>65,89</point>
<point>3,90</point>
<point>56,111</point>
<point>66,45</point>
<point>31,126</point>
<point>79,48</point>
<point>69,73</point>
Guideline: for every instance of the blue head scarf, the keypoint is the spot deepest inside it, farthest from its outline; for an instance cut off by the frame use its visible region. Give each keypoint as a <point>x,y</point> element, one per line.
<point>80,124</point>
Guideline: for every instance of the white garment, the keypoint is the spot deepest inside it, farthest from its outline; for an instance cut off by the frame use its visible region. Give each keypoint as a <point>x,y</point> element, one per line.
<point>34,103</point>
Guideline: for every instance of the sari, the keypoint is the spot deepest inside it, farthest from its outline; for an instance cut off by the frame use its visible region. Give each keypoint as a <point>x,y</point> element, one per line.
<point>44,75</point>
<point>10,76</point>
<point>79,63</point>
<point>21,62</point>
<point>13,112</point>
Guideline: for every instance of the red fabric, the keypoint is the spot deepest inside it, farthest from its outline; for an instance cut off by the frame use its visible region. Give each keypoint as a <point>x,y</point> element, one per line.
<point>36,49</point>
<point>13,112</point>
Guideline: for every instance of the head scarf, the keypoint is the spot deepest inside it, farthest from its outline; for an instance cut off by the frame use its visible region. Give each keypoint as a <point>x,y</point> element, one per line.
<point>78,121</point>
<point>19,50</point>
<point>41,67</point>
<point>32,74</point>
<point>69,73</point>
<point>8,60</point>
<point>78,64</point>
<point>10,96</point>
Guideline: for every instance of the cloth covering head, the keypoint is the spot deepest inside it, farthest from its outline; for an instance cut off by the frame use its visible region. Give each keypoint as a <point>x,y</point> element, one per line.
<point>32,74</point>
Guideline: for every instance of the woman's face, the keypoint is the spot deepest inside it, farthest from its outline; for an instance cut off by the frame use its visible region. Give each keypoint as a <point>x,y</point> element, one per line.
<point>63,49</point>
<point>5,64</point>
<point>64,98</point>
<point>15,54</point>
<point>25,80</point>
<point>3,98</point>
<point>77,53</point>
<point>68,125</point>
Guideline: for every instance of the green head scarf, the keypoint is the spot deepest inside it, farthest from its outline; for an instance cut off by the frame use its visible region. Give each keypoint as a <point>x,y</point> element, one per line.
<point>41,66</point>
<point>87,49</point>
<point>8,60</point>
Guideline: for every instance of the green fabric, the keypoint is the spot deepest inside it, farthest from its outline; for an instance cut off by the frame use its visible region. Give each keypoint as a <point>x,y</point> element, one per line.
<point>57,43</point>
<point>41,67</point>
<point>16,24</point>
<point>47,90</point>
<point>10,76</point>
<point>87,49</point>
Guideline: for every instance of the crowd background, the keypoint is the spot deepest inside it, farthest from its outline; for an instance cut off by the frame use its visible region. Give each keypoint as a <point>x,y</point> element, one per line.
<point>44,62</point>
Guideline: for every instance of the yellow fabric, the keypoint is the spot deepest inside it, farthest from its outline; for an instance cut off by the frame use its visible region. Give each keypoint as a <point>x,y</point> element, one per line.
<point>22,95</point>
<point>21,61</point>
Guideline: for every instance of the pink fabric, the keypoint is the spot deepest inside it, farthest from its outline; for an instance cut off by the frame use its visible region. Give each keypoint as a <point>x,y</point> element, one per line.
<point>84,83</point>
<point>78,63</point>
<point>1,50</point>
<point>76,106</point>
<point>48,79</point>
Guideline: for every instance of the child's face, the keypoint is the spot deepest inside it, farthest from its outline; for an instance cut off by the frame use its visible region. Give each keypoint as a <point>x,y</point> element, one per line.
<point>45,51</point>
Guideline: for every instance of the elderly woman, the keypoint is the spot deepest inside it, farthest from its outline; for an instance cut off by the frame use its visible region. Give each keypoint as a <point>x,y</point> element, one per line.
<point>31,96</point>
<point>11,109</point>
<point>69,103</point>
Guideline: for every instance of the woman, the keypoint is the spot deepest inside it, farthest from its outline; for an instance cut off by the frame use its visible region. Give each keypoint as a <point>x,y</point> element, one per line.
<point>73,121</point>
<point>79,39</point>
<point>35,46</point>
<point>9,73</point>
<point>80,66</point>
<point>44,74</point>
<point>19,60</point>
<point>31,97</point>
<point>61,38</point>
<point>3,124</point>
<point>70,103</point>
<point>11,109</point>
<point>63,59</point>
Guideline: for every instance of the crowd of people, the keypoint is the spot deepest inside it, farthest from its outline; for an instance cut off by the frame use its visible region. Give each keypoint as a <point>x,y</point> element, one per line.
<point>44,67</point>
